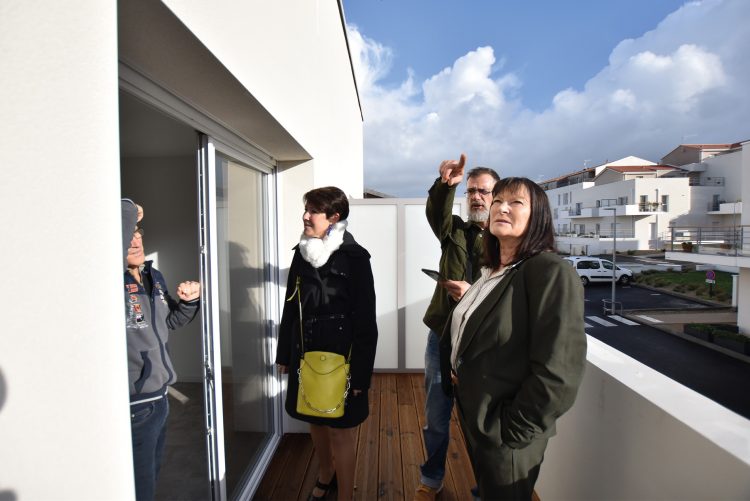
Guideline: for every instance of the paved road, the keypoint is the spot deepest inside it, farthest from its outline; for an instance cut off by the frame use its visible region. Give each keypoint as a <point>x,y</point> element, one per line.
<point>719,377</point>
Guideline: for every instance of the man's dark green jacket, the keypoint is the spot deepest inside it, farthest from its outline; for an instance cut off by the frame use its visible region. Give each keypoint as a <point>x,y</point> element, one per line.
<point>452,231</point>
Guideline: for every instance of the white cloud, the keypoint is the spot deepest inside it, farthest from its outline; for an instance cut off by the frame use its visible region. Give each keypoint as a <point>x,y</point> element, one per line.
<point>686,78</point>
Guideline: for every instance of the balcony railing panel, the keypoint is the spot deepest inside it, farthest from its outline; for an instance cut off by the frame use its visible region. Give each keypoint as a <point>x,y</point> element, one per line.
<point>727,241</point>
<point>602,234</point>
<point>634,433</point>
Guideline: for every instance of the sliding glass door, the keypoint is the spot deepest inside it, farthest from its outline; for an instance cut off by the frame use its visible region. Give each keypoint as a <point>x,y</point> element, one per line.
<point>238,284</point>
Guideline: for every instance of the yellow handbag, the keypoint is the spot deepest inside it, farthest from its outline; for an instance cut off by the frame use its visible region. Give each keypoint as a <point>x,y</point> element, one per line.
<point>324,382</point>
<point>324,378</point>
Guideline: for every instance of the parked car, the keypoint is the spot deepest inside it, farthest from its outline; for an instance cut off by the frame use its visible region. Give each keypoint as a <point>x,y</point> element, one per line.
<point>594,269</point>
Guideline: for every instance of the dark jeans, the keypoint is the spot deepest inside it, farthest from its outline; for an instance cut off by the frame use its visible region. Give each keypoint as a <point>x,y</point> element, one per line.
<point>148,425</point>
<point>438,407</point>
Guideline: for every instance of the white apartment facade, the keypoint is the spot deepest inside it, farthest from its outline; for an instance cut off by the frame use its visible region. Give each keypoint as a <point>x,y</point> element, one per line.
<point>722,239</point>
<point>638,193</point>
<point>216,117</point>
<point>648,199</point>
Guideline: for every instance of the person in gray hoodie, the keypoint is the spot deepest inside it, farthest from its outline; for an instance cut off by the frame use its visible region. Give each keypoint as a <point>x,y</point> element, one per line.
<point>150,314</point>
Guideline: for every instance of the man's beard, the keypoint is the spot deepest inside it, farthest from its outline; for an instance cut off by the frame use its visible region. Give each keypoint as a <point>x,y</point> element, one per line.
<point>479,216</point>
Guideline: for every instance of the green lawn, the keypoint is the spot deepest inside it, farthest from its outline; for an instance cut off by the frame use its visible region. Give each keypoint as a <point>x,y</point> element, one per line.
<point>690,282</point>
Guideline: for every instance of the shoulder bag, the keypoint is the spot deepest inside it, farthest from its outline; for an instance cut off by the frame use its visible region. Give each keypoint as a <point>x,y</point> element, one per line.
<point>323,376</point>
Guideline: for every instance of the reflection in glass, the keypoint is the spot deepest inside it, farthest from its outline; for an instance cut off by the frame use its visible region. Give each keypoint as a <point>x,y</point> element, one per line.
<point>242,278</point>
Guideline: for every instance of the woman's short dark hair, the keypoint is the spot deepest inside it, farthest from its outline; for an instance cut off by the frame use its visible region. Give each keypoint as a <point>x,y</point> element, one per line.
<point>329,200</point>
<point>539,235</point>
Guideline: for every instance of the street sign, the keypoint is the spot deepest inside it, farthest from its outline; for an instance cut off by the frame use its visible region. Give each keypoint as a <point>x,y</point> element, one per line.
<point>710,280</point>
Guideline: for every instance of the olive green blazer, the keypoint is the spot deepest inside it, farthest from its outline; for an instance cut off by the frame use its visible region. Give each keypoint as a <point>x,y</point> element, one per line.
<point>522,354</point>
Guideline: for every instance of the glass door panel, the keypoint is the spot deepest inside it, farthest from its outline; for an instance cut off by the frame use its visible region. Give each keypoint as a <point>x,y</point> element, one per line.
<point>243,279</point>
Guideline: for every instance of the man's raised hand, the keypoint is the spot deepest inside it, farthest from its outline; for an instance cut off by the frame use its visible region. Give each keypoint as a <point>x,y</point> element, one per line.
<point>452,171</point>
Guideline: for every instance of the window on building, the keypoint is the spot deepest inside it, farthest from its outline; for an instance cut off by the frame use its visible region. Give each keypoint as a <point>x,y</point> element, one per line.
<point>665,203</point>
<point>622,200</point>
<point>554,213</point>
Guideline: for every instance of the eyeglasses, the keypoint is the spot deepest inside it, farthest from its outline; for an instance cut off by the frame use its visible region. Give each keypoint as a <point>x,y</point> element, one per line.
<point>138,233</point>
<point>481,191</point>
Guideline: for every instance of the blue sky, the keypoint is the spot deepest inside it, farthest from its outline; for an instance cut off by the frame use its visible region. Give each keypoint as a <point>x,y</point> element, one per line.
<point>538,88</point>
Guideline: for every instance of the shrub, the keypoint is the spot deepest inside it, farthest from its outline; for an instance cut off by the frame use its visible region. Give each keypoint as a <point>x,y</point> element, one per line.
<point>631,252</point>
<point>730,335</point>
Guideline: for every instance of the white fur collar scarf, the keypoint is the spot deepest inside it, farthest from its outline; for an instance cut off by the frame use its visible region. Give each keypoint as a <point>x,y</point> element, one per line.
<point>316,251</point>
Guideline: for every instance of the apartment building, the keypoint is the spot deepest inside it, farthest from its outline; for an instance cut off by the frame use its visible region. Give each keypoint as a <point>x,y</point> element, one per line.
<point>628,203</point>
<point>689,204</point>
<point>722,239</point>
<point>633,203</point>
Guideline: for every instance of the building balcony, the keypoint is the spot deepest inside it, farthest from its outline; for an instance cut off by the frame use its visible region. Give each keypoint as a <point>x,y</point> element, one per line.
<point>727,246</point>
<point>582,212</point>
<point>642,209</point>
<point>633,433</point>
<point>724,208</point>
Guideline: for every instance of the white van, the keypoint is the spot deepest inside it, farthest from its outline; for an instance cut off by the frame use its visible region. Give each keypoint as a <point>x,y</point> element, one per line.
<point>594,269</point>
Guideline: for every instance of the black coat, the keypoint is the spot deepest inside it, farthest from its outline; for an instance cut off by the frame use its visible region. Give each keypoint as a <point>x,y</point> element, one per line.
<point>338,312</point>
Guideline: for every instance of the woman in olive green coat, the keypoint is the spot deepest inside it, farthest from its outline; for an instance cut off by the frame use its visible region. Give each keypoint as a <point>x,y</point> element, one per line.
<point>514,350</point>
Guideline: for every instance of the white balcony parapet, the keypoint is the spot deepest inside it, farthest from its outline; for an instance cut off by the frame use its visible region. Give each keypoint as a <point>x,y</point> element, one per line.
<point>634,433</point>
<point>725,208</point>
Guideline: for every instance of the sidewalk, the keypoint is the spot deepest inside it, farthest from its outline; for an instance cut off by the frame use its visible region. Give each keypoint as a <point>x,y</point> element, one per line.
<point>672,322</point>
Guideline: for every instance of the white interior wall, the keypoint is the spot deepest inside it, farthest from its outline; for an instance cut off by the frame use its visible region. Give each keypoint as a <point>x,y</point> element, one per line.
<point>64,420</point>
<point>636,434</point>
<point>166,188</point>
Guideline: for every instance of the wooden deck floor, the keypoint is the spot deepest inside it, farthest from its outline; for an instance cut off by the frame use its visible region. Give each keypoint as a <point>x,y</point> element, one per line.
<point>389,450</point>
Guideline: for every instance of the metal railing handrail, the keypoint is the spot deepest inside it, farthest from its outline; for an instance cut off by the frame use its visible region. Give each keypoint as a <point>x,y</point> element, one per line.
<point>724,240</point>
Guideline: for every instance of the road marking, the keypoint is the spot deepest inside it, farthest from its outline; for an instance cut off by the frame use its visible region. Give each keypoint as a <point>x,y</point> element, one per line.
<point>623,320</point>
<point>585,326</point>
<point>601,321</point>
<point>657,294</point>
<point>649,319</point>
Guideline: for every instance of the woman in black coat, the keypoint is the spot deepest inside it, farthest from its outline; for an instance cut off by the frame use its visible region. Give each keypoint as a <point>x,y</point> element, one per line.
<point>331,276</point>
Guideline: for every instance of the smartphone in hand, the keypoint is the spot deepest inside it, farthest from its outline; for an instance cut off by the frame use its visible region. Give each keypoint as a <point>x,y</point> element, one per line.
<point>433,274</point>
